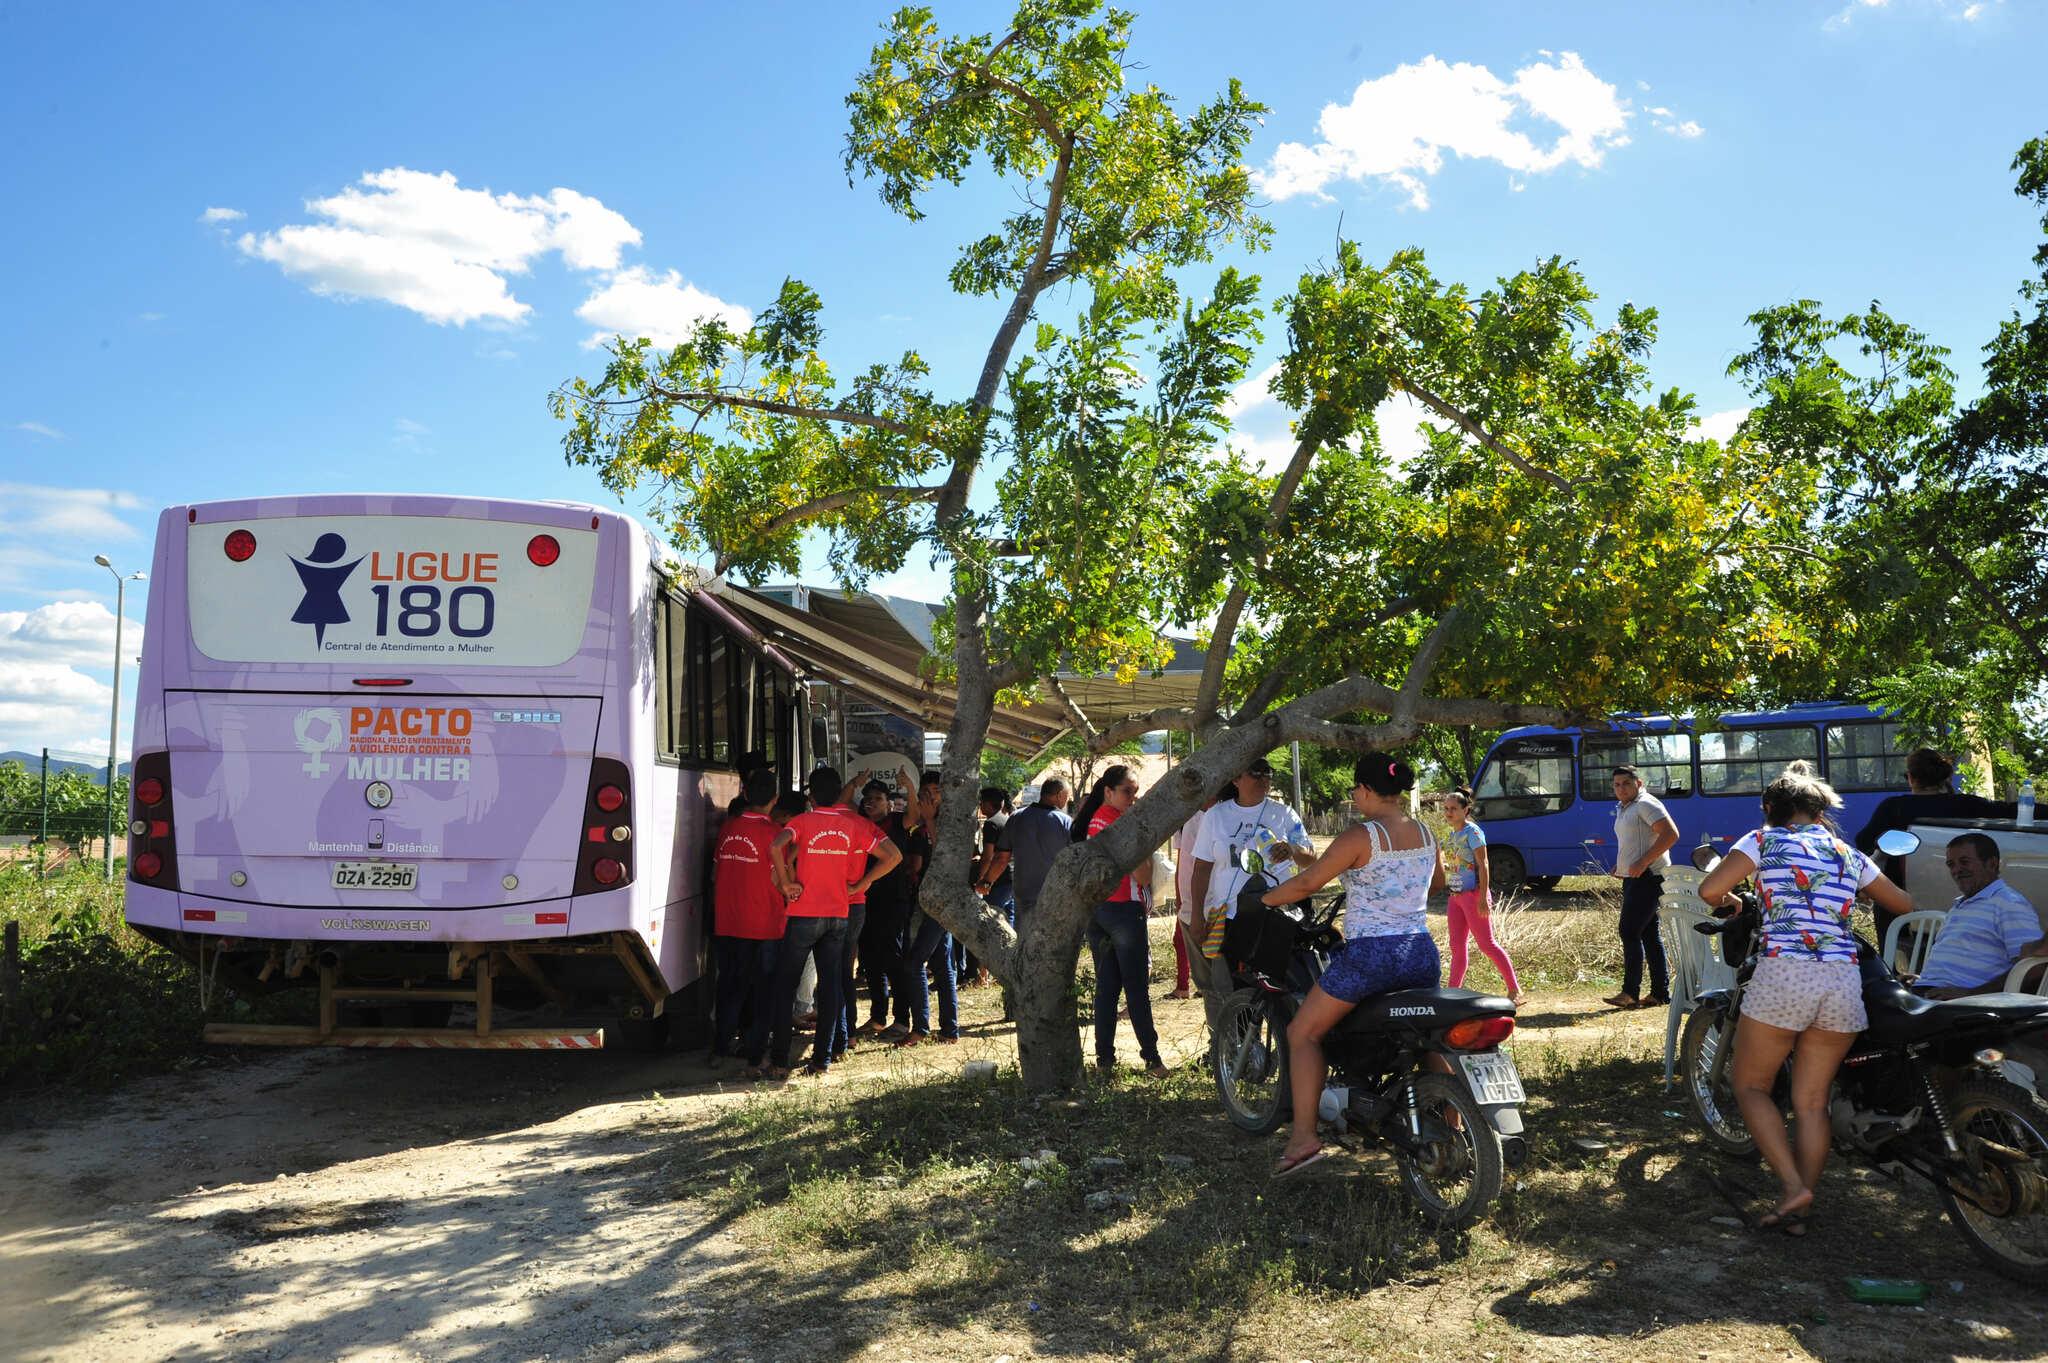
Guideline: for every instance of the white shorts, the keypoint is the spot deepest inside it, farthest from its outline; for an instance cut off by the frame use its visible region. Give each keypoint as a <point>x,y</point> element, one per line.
<point>1800,995</point>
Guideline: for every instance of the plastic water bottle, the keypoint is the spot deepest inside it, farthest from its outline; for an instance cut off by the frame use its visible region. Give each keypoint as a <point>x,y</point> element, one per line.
<point>2026,818</point>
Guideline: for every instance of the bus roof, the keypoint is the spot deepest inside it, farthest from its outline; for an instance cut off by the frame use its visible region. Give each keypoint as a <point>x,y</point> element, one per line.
<point>1798,712</point>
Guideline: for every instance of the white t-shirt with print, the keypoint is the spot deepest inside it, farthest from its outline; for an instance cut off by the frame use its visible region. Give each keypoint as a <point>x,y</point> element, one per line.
<point>1229,827</point>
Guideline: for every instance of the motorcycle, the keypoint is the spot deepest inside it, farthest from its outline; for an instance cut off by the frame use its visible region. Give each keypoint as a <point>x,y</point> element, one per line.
<point>1453,1126</point>
<point>1930,1089</point>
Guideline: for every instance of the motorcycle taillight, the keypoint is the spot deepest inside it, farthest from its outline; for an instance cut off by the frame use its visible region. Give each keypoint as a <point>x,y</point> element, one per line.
<point>1479,1034</point>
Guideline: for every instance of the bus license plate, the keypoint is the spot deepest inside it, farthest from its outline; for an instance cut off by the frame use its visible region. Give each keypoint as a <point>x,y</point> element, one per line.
<point>1493,1077</point>
<point>376,875</point>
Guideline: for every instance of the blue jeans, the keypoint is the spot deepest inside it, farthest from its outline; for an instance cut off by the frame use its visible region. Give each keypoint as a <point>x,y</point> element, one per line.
<point>929,942</point>
<point>746,984</point>
<point>849,988</point>
<point>1123,965</point>
<point>1640,940</point>
<point>802,939</point>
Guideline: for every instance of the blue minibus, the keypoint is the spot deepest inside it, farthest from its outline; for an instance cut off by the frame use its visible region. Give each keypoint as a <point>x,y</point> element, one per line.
<point>1546,797</point>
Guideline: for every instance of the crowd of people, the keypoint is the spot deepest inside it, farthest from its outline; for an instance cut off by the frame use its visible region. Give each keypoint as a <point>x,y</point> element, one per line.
<point>817,920</point>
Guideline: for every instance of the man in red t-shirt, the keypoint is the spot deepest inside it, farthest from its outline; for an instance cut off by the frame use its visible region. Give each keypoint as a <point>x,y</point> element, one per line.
<point>821,861</point>
<point>747,921</point>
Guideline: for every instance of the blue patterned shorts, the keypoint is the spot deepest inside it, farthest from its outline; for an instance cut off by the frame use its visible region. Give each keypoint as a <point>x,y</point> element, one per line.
<point>1365,966</point>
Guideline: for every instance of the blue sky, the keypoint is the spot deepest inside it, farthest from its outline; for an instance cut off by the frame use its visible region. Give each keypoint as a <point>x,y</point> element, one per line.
<point>293,249</point>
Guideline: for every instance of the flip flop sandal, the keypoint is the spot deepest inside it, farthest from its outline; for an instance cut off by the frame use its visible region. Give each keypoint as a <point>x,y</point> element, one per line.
<point>1287,1168</point>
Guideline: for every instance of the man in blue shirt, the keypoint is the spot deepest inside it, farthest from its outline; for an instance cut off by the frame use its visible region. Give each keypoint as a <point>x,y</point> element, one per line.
<point>1027,843</point>
<point>1989,928</point>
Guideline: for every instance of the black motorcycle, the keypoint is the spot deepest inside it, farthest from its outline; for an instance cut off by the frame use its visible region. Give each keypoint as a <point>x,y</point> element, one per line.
<point>1451,1132</point>
<point>1930,1089</point>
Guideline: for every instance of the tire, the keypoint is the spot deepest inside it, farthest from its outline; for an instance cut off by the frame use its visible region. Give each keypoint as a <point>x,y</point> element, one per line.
<point>1249,1061</point>
<point>638,1036</point>
<point>1458,1175</point>
<point>1719,1119</point>
<point>1506,871</point>
<point>2014,1244</point>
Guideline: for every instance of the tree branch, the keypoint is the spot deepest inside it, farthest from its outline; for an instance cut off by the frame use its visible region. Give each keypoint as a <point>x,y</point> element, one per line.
<point>843,415</point>
<point>1176,717</point>
<point>1211,689</point>
<point>1422,665</point>
<point>833,501</point>
<point>1486,438</point>
<point>1076,716</point>
<point>1276,678</point>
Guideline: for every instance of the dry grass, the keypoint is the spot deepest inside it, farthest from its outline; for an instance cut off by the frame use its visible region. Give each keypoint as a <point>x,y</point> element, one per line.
<point>893,1210</point>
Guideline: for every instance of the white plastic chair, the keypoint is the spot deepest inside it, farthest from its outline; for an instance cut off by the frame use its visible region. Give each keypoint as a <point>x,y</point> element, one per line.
<point>1926,926</point>
<point>2016,978</point>
<point>1696,964</point>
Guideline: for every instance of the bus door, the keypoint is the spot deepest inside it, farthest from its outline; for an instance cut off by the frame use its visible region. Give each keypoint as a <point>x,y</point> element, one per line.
<point>1665,763</point>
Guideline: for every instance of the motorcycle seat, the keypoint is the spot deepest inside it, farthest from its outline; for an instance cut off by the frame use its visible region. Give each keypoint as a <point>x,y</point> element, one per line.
<point>1899,1017</point>
<point>1426,1008</point>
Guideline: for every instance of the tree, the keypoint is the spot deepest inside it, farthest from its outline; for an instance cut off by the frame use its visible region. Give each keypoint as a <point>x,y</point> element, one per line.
<point>1931,514</point>
<point>1559,502</point>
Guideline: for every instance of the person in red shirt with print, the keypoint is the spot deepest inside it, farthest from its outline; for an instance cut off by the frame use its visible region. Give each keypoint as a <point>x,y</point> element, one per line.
<point>747,913</point>
<point>821,861</point>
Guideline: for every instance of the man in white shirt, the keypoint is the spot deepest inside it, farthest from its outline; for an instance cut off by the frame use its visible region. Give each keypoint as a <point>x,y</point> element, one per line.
<point>1268,833</point>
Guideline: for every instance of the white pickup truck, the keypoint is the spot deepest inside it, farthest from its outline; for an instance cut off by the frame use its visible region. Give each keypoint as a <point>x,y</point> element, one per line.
<point>2022,853</point>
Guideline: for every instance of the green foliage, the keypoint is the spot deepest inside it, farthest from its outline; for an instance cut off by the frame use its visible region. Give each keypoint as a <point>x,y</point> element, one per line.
<point>77,805</point>
<point>1930,533</point>
<point>97,1002</point>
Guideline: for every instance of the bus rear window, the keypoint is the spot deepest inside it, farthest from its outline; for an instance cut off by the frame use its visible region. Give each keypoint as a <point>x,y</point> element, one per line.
<point>1866,756</point>
<point>1525,777</point>
<point>1744,761</point>
<point>384,591</point>
<point>1664,761</point>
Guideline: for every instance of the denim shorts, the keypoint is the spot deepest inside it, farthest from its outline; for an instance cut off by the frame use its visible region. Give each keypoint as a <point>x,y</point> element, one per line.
<point>1365,966</point>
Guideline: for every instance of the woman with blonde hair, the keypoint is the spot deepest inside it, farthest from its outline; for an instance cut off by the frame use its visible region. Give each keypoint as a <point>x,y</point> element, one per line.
<point>1805,998</point>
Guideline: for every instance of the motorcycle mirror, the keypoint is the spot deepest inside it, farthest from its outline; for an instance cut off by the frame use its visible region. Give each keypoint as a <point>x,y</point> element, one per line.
<point>1705,858</point>
<point>1897,842</point>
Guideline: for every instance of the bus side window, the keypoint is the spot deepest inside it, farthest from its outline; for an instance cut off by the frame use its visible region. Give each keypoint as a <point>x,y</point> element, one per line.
<point>1743,761</point>
<point>1866,756</point>
<point>1664,761</point>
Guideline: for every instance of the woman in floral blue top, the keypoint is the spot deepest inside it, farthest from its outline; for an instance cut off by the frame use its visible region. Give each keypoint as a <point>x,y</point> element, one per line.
<point>1805,998</point>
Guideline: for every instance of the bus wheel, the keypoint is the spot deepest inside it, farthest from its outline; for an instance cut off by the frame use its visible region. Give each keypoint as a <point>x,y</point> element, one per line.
<point>1506,870</point>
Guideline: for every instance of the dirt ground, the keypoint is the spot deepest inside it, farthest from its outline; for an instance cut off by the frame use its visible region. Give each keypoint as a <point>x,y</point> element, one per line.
<point>454,1206</point>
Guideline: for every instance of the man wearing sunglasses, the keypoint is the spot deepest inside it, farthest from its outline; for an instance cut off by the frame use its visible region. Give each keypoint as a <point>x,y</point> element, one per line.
<point>1270,834</point>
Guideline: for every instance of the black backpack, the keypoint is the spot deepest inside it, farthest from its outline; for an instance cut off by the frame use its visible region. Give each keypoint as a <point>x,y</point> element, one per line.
<point>1259,940</point>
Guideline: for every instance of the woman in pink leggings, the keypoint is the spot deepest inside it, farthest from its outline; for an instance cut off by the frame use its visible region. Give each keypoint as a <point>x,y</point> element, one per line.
<point>1471,894</point>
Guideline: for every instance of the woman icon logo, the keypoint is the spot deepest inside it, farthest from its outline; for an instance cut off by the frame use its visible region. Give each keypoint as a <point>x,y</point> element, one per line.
<point>322,574</point>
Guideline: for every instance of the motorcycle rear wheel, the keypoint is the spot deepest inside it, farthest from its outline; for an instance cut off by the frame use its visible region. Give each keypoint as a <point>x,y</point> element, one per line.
<point>1457,1174</point>
<point>1249,1061</point>
<point>1720,1119</point>
<point>2012,1235</point>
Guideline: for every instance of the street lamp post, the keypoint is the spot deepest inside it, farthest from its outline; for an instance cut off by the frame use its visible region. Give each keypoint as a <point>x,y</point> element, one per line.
<point>114,722</point>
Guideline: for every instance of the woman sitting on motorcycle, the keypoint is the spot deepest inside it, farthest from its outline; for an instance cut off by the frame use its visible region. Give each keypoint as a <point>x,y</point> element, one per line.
<point>1389,865</point>
<point>1805,998</point>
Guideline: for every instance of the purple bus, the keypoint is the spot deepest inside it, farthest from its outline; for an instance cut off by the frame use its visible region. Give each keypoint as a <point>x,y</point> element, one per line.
<point>416,752</point>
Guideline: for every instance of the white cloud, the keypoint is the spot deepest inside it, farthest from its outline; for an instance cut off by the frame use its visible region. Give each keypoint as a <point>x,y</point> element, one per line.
<point>65,512</point>
<point>149,316</point>
<point>220,215</point>
<point>38,428</point>
<point>1398,128</point>
<point>67,633</point>
<point>46,704</point>
<point>1684,127</point>
<point>427,244</point>
<point>1252,393</point>
<point>1965,11</point>
<point>664,308</point>
<point>1719,425</point>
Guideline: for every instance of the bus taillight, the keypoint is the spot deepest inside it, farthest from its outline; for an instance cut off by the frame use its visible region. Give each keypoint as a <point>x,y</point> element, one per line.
<point>543,550</point>
<point>604,861</point>
<point>240,545</point>
<point>152,849</point>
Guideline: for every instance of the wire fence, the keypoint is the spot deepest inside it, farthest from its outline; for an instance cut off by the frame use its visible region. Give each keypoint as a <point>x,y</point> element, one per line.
<point>55,813</point>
